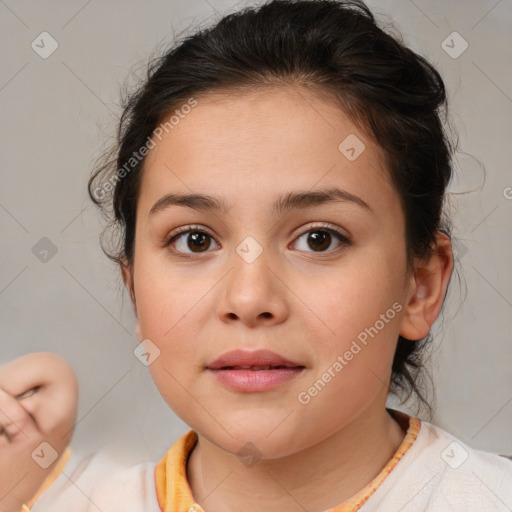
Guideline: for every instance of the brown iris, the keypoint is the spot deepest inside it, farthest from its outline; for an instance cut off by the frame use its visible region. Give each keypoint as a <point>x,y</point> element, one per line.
<point>320,239</point>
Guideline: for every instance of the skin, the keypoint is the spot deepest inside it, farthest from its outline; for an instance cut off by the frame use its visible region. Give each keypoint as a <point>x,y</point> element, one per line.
<point>304,303</point>
<point>46,412</point>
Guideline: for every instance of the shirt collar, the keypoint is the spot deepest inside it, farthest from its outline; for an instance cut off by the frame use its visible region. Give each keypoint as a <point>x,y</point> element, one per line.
<point>49,480</point>
<point>174,493</point>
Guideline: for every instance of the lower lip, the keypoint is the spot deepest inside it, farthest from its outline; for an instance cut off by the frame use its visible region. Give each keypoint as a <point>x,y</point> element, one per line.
<point>252,381</point>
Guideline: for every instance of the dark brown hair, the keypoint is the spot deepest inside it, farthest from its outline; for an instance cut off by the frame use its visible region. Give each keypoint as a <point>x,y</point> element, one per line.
<point>337,47</point>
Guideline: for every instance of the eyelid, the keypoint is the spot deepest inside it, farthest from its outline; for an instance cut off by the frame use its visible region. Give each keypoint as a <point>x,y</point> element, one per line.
<point>187,229</point>
<point>326,226</point>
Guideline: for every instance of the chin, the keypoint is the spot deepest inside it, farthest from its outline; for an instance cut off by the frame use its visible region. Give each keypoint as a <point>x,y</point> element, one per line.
<point>250,442</point>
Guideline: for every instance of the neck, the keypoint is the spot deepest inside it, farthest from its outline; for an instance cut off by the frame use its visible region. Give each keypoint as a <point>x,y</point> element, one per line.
<point>317,478</point>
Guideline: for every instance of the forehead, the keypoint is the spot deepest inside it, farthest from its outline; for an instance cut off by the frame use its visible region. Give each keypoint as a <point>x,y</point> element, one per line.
<point>272,139</point>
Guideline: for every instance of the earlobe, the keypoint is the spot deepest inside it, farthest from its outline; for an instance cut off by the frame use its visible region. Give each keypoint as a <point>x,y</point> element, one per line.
<point>429,288</point>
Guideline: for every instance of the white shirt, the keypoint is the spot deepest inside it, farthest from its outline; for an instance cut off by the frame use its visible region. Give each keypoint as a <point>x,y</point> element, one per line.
<point>438,473</point>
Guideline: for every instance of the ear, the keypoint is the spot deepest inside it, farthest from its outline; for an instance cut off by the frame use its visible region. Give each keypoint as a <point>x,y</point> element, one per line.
<point>127,273</point>
<point>428,290</point>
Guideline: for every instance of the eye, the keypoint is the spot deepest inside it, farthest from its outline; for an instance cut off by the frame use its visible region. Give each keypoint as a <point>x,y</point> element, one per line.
<point>320,238</point>
<point>197,240</point>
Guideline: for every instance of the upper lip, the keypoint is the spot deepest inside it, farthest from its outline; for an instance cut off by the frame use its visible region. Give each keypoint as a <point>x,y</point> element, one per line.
<point>252,358</point>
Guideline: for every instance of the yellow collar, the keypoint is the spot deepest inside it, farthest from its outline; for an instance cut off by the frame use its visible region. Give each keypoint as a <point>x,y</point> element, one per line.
<point>174,493</point>
<point>48,481</point>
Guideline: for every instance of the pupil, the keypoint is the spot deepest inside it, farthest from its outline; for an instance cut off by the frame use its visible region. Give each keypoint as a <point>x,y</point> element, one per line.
<point>321,238</point>
<point>198,240</point>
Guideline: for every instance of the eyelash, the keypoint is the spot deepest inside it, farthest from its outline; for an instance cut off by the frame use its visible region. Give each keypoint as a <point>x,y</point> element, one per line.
<point>344,240</point>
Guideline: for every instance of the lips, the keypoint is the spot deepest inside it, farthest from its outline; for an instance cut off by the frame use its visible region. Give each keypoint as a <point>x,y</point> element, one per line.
<point>255,360</point>
<point>258,371</point>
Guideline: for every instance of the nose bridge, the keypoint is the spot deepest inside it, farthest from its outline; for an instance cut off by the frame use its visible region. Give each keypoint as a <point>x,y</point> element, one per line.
<point>252,289</point>
<point>251,265</point>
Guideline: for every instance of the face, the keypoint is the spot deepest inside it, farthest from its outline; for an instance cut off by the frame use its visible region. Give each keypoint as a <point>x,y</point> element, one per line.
<point>322,283</point>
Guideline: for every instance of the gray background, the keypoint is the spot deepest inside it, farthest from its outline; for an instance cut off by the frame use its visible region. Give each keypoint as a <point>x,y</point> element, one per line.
<point>57,115</point>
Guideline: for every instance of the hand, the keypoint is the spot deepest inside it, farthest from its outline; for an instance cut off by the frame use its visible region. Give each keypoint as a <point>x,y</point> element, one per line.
<point>38,403</point>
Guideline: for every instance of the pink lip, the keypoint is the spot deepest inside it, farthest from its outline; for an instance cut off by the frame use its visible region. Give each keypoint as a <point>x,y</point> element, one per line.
<point>227,370</point>
<point>253,358</point>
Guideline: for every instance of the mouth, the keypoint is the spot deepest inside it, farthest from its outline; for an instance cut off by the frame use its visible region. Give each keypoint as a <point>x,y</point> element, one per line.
<point>251,372</point>
<point>257,368</point>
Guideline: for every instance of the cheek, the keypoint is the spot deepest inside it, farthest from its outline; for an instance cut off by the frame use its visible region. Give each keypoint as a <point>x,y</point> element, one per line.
<point>165,296</point>
<point>354,360</point>
<point>345,304</point>
<point>355,326</point>
<point>170,308</point>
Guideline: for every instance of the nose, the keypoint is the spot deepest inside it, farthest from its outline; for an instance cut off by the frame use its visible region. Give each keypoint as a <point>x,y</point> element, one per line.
<point>254,293</point>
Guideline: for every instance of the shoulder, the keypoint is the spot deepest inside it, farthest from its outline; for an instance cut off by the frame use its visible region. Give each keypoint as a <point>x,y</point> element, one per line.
<point>441,472</point>
<point>469,476</point>
<point>96,481</point>
<point>126,488</point>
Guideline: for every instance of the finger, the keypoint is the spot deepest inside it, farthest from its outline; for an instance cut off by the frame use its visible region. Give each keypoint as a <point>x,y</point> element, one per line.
<point>26,394</point>
<point>25,373</point>
<point>53,404</point>
<point>17,424</point>
<point>54,399</point>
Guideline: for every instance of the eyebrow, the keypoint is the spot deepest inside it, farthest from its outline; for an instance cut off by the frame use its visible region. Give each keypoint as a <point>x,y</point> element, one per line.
<point>284,203</point>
